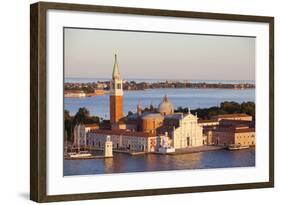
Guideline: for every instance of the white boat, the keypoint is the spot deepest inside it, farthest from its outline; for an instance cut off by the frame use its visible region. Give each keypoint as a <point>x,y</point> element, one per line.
<point>234,147</point>
<point>81,154</point>
<point>165,150</point>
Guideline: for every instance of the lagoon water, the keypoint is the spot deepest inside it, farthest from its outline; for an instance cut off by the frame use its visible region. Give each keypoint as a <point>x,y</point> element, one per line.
<point>123,163</point>
<point>185,97</point>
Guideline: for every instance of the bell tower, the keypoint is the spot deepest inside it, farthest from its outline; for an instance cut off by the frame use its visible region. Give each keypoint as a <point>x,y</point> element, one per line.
<point>116,94</point>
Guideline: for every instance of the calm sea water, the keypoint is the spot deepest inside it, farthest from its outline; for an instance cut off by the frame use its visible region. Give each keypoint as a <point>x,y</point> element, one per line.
<point>122,163</point>
<point>185,97</point>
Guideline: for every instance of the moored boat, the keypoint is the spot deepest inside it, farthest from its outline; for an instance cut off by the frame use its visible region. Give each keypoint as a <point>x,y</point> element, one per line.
<point>81,154</point>
<point>234,147</point>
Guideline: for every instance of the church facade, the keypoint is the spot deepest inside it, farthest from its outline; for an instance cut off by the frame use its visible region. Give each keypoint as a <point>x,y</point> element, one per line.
<point>189,133</point>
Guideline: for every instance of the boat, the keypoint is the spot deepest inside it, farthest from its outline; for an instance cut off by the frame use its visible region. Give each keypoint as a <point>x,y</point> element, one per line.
<point>165,150</point>
<point>234,147</point>
<point>81,154</point>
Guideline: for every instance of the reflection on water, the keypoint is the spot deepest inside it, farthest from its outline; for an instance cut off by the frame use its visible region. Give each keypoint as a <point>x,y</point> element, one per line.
<point>108,165</point>
<point>122,163</point>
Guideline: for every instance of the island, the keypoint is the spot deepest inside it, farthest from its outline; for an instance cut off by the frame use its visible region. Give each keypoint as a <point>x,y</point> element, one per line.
<point>102,87</point>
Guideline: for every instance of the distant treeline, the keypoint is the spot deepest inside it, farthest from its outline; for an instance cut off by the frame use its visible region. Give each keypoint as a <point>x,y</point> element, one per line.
<point>224,108</point>
<point>132,85</point>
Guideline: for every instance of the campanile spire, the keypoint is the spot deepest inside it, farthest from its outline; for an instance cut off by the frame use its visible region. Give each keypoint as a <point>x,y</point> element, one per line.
<point>116,94</point>
<point>116,71</point>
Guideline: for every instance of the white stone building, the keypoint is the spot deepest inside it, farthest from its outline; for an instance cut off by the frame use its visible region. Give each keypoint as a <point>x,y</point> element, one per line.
<point>123,139</point>
<point>188,134</point>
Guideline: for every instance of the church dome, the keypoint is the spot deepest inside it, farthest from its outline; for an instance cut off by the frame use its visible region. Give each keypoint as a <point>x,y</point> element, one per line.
<point>165,107</point>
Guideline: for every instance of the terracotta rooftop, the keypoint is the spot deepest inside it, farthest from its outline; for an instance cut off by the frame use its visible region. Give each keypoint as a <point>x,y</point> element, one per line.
<point>206,121</point>
<point>235,130</point>
<point>234,121</point>
<point>122,132</point>
<point>248,123</point>
<point>245,130</point>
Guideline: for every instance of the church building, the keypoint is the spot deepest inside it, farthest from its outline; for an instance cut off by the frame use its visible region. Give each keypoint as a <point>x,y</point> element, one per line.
<point>147,131</point>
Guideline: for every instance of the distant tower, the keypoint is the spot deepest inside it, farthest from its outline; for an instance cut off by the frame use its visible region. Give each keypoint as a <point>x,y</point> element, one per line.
<point>116,94</point>
<point>139,109</point>
<point>108,147</point>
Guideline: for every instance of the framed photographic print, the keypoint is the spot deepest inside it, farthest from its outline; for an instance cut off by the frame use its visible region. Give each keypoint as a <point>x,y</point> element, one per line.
<point>134,102</point>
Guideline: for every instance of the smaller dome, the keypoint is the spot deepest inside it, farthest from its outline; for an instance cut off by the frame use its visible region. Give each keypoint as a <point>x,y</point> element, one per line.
<point>165,107</point>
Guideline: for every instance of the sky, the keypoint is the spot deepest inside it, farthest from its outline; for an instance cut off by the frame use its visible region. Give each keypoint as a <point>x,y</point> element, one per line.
<point>89,53</point>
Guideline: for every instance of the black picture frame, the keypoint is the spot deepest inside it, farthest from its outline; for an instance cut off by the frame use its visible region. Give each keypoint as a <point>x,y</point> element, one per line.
<point>38,102</point>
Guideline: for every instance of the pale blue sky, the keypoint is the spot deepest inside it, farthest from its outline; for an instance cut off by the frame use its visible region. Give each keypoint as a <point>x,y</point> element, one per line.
<point>90,54</point>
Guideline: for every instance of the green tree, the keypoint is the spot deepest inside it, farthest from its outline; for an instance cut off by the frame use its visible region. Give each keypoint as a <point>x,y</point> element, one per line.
<point>248,108</point>
<point>68,125</point>
<point>225,108</point>
<point>81,116</point>
<point>230,107</point>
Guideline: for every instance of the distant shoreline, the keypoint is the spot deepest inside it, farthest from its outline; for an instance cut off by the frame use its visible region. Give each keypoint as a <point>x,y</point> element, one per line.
<point>103,87</point>
<point>155,80</point>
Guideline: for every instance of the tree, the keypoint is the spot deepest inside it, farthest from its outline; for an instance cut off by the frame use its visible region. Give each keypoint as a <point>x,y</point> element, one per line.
<point>81,116</point>
<point>68,125</point>
<point>230,107</point>
<point>225,108</point>
<point>248,108</point>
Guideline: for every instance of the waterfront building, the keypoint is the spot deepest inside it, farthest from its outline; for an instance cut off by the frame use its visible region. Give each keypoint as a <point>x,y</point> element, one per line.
<point>123,140</point>
<point>234,132</point>
<point>241,136</point>
<point>245,136</point>
<point>116,95</point>
<point>220,129</point>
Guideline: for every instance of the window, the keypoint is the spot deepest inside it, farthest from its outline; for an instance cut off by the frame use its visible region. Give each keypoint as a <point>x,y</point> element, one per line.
<point>118,86</point>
